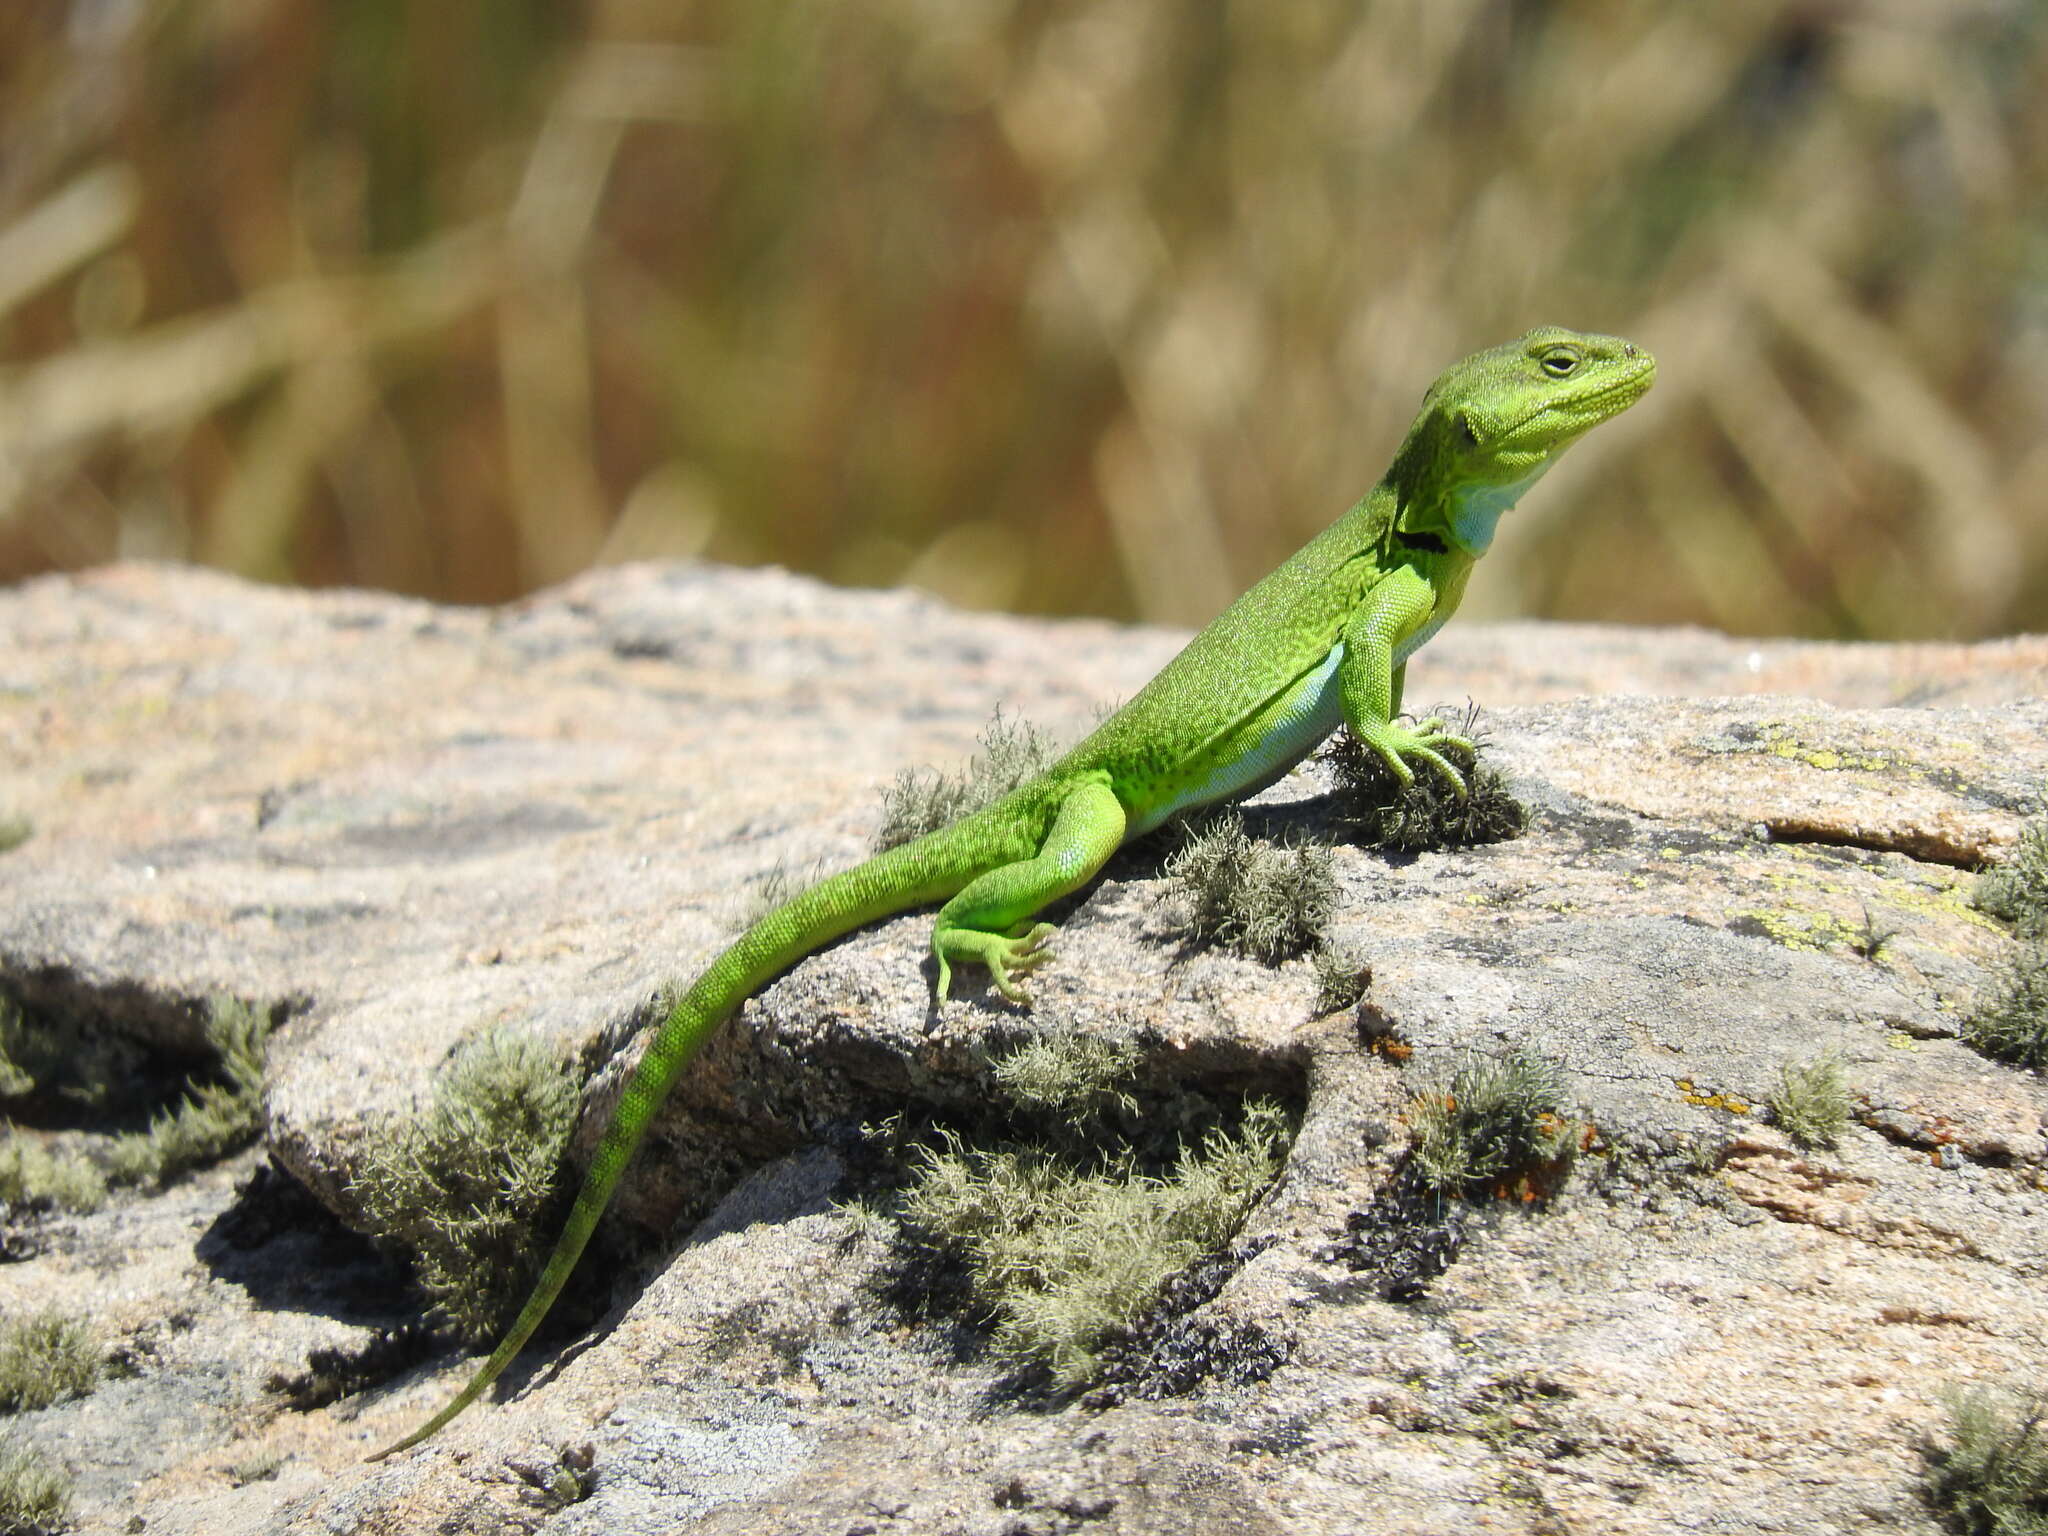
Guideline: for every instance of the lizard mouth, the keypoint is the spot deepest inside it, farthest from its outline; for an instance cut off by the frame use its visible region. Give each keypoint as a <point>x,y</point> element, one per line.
<point>1597,404</point>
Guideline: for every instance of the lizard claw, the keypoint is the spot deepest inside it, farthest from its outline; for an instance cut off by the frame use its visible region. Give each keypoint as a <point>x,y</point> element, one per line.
<point>1015,952</point>
<point>1442,765</point>
<point>1395,743</point>
<point>1020,954</point>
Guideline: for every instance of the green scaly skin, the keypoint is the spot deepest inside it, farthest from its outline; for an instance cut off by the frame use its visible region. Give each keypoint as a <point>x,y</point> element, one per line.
<point>1324,640</point>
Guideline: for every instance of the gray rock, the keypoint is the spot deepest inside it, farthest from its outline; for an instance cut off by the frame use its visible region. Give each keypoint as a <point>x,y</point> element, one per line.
<point>407,823</point>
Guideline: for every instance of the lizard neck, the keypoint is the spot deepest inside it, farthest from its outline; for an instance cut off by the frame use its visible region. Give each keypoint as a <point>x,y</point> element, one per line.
<point>1467,515</point>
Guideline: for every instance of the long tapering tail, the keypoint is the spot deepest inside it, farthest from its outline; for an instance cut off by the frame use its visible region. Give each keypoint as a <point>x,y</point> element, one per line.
<point>916,874</point>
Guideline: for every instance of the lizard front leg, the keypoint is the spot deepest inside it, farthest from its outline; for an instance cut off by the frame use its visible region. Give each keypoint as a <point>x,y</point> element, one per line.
<point>1370,684</point>
<point>989,921</point>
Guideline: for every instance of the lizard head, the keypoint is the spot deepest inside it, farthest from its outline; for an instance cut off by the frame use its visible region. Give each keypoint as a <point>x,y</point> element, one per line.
<point>1494,422</point>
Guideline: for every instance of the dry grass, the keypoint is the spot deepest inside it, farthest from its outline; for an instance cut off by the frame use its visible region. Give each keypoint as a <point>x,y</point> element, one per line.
<point>1100,306</point>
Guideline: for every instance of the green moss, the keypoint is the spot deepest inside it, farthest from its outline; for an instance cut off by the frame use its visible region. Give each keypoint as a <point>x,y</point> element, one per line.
<point>213,1120</point>
<point>2015,889</point>
<point>2011,1022</point>
<point>923,800</point>
<point>1992,1480</point>
<point>466,1185</point>
<point>35,1499</point>
<point>1811,1102</point>
<point>1492,1123</point>
<point>1264,901</point>
<point>1061,1256</point>
<point>14,831</point>
<point>1068,1073</point>
<point>219,1116</point>
<point>44,1359</point>
<point>41,1061</point>
<point>1426,814</point>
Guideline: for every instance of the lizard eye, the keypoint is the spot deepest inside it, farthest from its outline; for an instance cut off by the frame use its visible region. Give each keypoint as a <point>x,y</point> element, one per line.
<point>1559,362</point>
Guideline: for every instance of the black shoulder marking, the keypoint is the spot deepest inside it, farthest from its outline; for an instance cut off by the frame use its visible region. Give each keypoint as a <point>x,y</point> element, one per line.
<point>1424,541</point>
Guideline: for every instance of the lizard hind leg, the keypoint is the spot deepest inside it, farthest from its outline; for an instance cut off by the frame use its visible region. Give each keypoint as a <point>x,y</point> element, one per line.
<point>990,921</point>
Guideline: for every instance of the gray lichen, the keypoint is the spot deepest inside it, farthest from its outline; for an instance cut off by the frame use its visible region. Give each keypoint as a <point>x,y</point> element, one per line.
<point>923,800</point>
<point>465,1185</point>
<point>1060,1255</point>
<point>1265,901</point>
<point>1067,1073</point>
<point>216,1117</point>
<point>2016,888</point>
<point>2010,1023</point>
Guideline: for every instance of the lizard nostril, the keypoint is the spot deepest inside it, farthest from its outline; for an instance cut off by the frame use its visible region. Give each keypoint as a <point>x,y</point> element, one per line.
<point>1628,349</point>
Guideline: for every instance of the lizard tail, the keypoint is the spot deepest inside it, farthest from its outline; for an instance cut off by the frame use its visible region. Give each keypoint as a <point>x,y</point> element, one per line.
<point>915,874</point>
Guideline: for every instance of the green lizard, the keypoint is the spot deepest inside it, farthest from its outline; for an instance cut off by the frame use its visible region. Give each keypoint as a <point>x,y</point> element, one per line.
<point>1323,640</point>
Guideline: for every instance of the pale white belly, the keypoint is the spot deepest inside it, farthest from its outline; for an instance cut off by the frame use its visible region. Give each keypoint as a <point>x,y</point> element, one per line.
<point>1311,710</point>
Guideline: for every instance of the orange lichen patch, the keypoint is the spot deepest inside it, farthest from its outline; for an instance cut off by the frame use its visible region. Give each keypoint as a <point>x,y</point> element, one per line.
<point>1391,1048</point>
<point>1707,1099</point>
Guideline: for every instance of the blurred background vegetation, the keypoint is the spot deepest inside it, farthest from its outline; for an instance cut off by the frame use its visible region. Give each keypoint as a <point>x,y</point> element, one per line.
<point>1055,305</point>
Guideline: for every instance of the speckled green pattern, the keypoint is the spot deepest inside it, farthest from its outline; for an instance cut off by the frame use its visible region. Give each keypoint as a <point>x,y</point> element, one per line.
<point>1325,638</point>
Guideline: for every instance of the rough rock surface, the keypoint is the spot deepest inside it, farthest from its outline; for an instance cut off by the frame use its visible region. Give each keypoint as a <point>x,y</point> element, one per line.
<point>408,822</point>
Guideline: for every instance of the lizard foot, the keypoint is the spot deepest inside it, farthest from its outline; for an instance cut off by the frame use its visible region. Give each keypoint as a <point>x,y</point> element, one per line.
<point>1395,743</point>
<point>1008,955</point>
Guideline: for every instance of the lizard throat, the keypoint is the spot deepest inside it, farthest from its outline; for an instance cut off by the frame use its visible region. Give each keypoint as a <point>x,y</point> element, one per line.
<point>1473,511</point>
